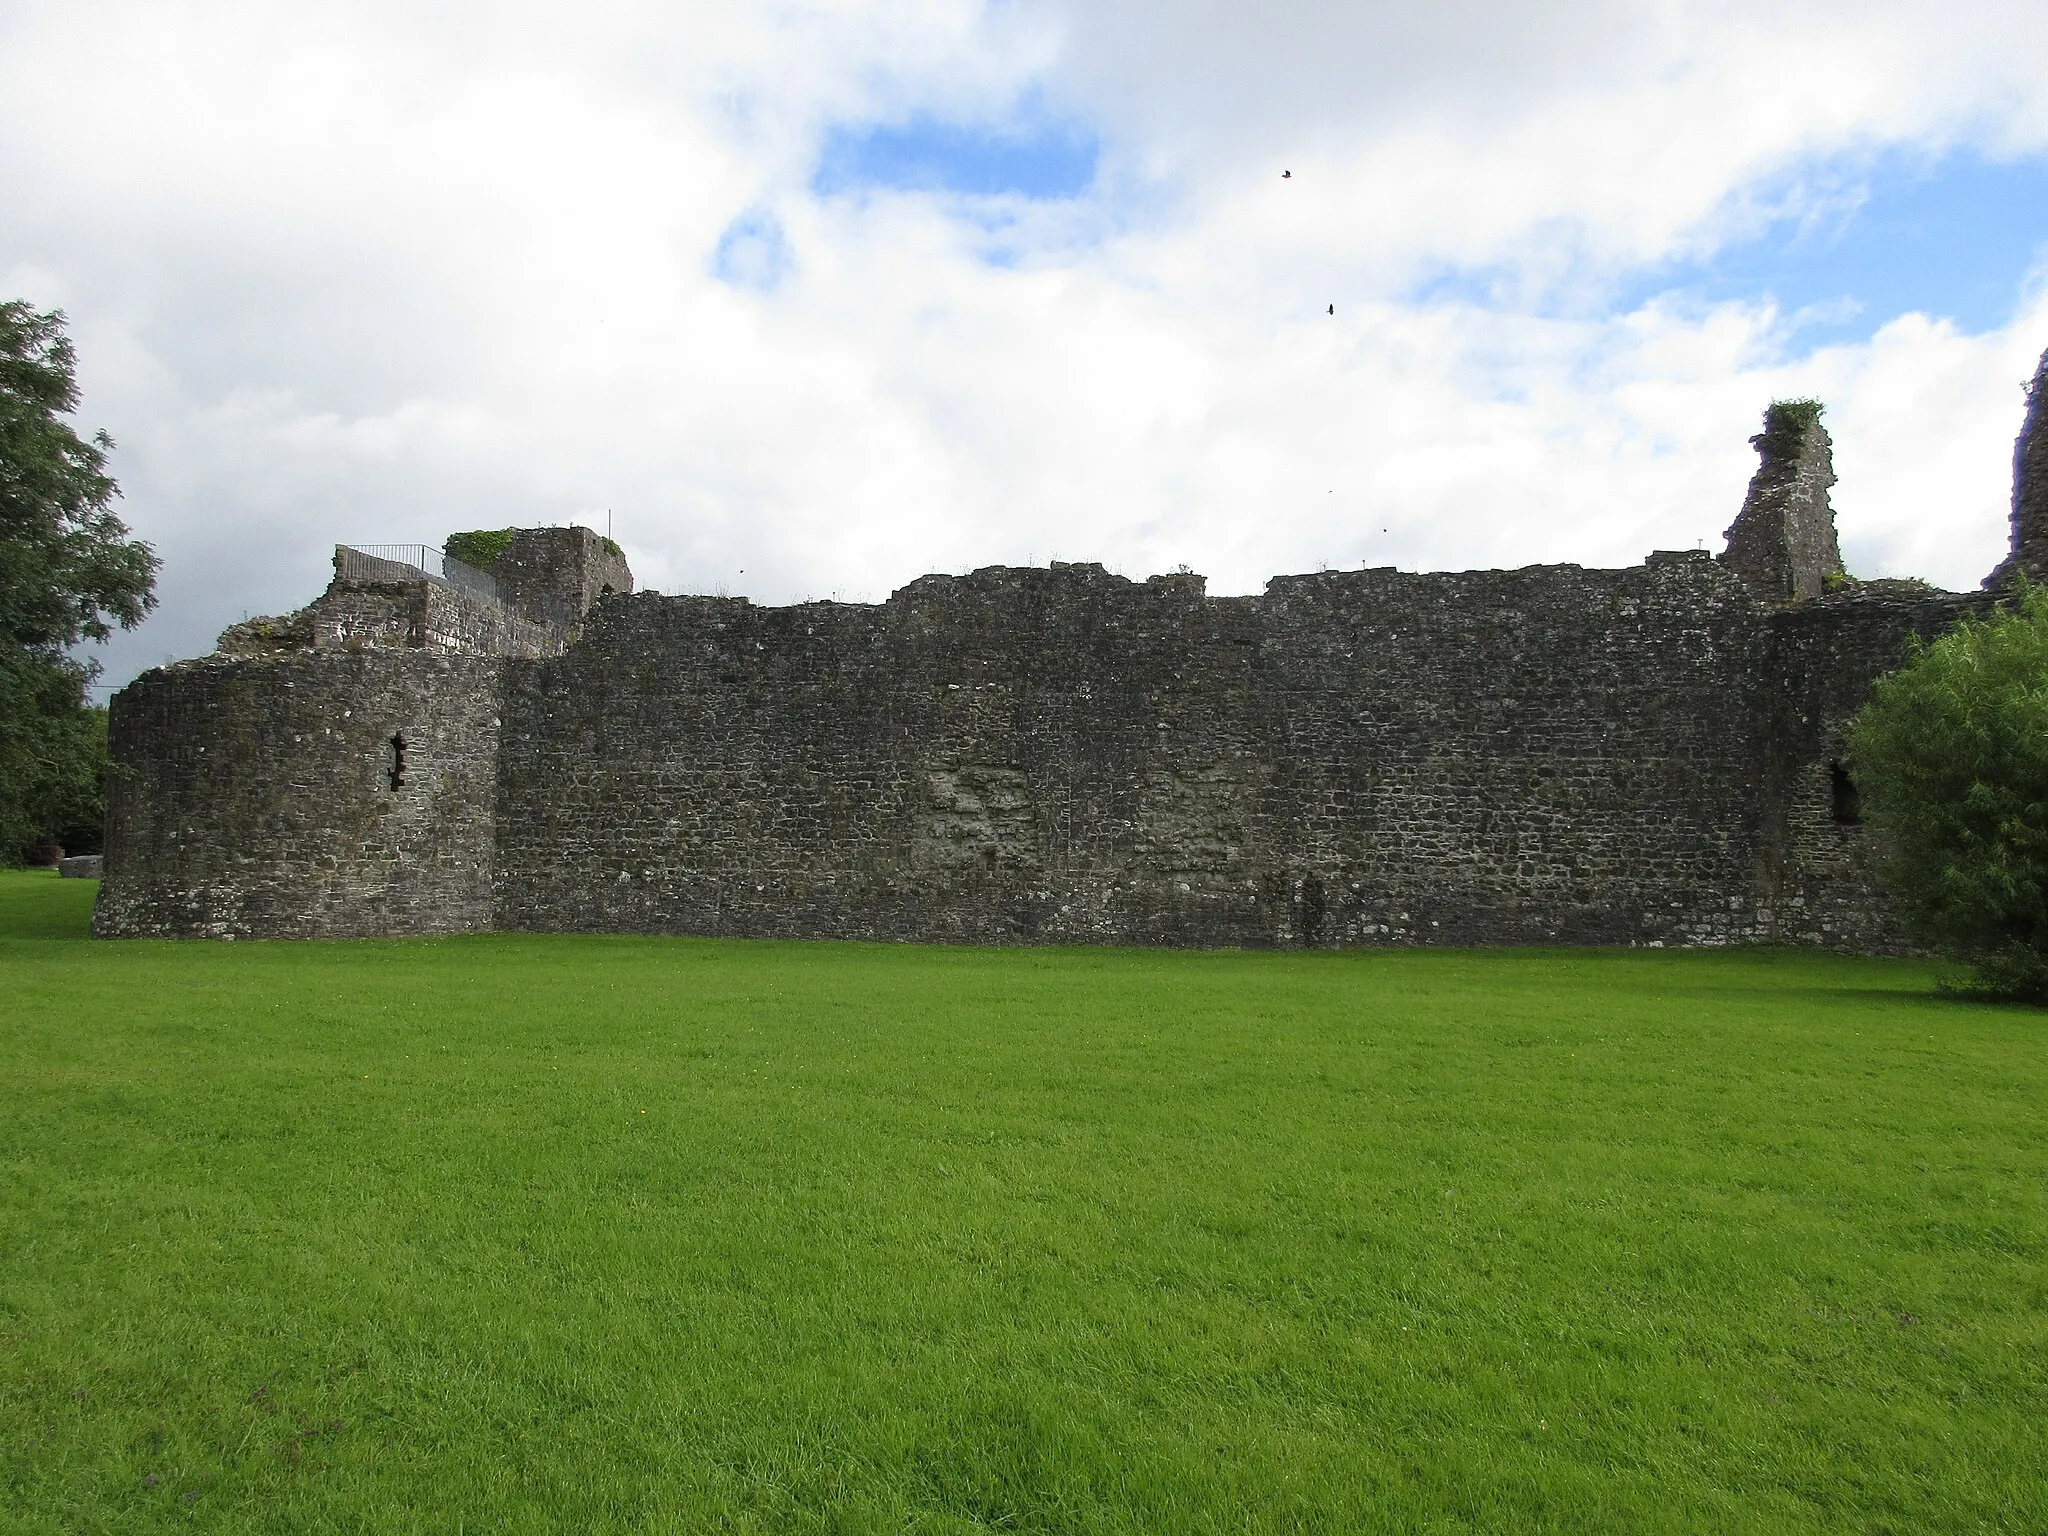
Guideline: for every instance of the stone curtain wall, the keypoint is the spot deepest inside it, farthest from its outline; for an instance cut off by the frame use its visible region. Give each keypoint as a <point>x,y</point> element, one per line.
<point>1549,755</point>
<point>1546,755</point>
<point>254,799</point>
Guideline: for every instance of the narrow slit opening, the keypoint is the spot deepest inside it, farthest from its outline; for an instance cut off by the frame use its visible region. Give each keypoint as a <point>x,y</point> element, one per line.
<point>397,772</point>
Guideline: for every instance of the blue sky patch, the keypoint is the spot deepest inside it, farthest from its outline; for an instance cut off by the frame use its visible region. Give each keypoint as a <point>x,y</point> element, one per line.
<point>1032,157</point>
<point>1861,244</point>
<point>753,252</point>
<point>1854,243</point>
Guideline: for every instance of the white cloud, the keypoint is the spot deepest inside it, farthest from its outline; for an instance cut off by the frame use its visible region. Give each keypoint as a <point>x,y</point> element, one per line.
<point>390,271</point>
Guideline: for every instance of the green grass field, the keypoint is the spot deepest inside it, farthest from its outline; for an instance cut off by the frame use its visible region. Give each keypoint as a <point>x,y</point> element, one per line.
<point>534,1234</point>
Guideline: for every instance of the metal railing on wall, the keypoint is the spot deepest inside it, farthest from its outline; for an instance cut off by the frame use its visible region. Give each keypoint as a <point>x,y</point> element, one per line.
<point>409,562</point>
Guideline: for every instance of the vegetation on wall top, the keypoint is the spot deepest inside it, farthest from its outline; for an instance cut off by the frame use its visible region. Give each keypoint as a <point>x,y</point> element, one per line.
<point>480,547</point>
<point>1786,425</point>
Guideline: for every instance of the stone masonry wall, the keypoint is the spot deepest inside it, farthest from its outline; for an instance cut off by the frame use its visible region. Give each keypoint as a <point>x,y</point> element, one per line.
<point>464,624</point>
<point>256,799</point>
<point>1551,755</point>
<point>399,615</point>
<point>2029,556</point>
<point>425,615</point>
<point>558,574</point>
<point>1783,541</point>
<point>1547,755</point>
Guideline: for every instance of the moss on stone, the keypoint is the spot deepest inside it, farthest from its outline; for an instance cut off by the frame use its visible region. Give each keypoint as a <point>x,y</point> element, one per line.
<point>480,547</point>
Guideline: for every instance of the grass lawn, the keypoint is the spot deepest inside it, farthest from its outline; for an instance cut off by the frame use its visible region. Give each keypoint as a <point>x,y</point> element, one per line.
<point>529,1234</point>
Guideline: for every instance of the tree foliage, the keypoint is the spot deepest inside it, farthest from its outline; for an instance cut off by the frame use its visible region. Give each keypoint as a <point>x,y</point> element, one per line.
<point>68,572</point>
<point>1951,758</point>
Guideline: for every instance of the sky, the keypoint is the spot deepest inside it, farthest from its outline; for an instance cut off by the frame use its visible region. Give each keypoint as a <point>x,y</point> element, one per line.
<point>806,299</point>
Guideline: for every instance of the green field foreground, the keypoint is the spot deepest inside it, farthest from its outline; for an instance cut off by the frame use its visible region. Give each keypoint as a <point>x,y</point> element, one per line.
<point>549,1234</point>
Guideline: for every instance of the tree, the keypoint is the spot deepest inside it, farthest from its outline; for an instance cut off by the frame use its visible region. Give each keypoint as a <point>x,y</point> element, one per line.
<point>1951,759</point>
<point>68,573</point>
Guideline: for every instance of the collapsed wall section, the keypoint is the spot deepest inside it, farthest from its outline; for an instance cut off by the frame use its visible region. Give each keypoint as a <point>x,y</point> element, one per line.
<point>322,794</point>
<point>1549,755</point>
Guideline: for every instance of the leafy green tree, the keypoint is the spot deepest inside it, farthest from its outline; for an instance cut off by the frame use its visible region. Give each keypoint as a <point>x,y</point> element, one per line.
<point>68,572</point>
<point>1951,758</point>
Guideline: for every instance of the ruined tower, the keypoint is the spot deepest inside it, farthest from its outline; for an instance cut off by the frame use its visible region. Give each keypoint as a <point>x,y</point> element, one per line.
<point>1782,543</point>
<point>2029,556</point>
<point>558,574</point>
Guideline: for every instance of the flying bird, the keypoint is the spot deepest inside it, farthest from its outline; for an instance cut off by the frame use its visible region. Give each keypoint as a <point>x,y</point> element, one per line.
<point>1333,309</point>
<point>1286,175</point>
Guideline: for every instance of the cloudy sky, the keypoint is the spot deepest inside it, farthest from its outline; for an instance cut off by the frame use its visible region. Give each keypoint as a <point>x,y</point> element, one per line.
<point>812,297</point>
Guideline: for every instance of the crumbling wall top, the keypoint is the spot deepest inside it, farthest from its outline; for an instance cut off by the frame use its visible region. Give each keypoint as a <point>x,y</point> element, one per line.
<point>1783,542</point>
<point>2029,555</point>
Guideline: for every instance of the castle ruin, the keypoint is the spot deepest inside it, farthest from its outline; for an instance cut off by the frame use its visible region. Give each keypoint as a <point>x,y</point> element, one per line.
<point>1651,755</point>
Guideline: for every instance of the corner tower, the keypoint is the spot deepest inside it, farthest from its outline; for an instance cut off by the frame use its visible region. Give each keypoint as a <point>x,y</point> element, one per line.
<point>1782,543</point>
<point>558,574</point>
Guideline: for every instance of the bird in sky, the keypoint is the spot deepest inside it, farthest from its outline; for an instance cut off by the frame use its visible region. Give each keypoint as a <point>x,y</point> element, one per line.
<point>1286,175</point>
<point>1333,309</point>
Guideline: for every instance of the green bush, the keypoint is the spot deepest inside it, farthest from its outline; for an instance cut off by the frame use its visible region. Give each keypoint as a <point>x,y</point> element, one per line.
<point>1786,423</point>
<point>1951,758</point>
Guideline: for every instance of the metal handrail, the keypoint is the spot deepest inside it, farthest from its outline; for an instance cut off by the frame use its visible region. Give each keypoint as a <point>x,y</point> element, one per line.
<point>412,562</point>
